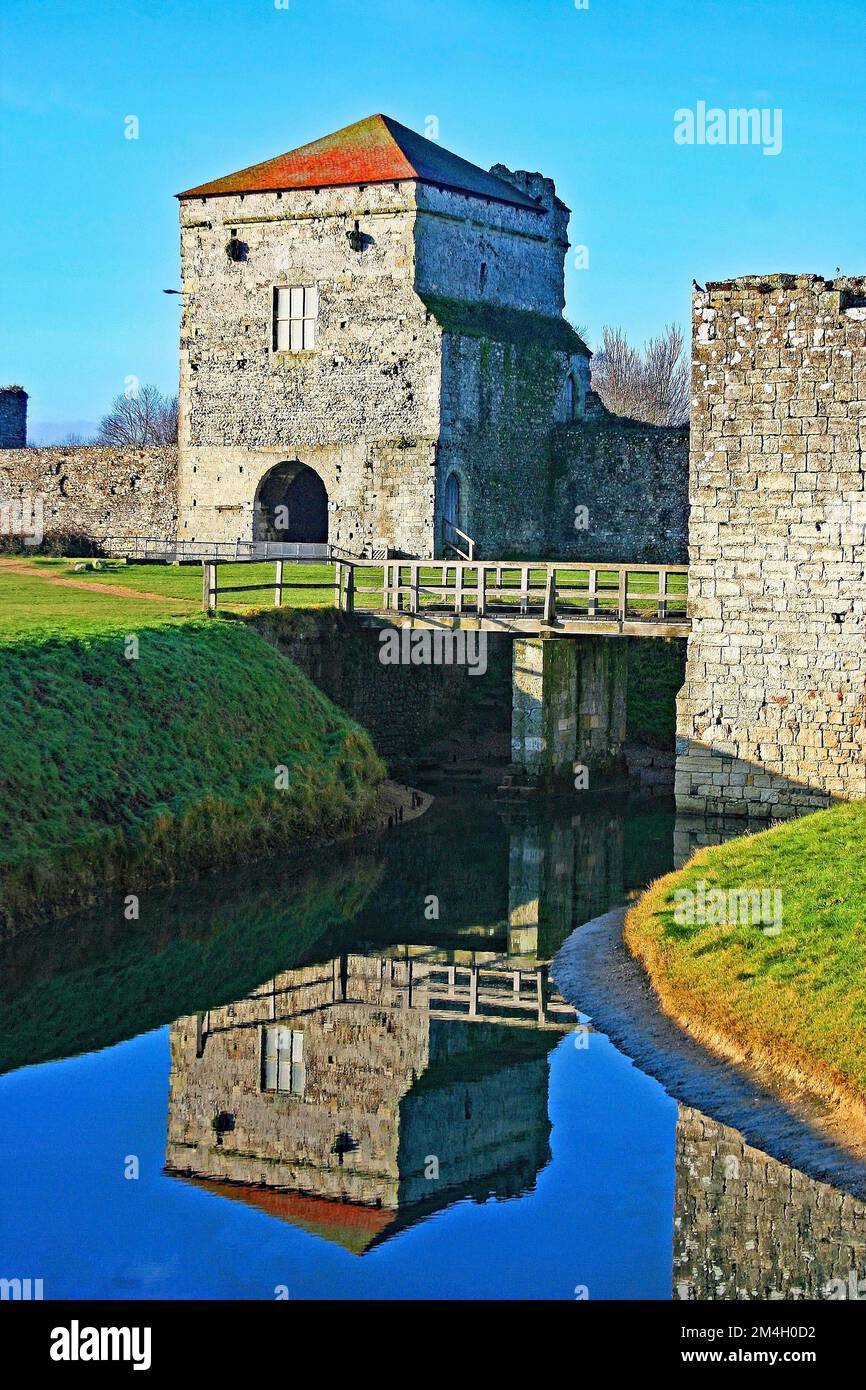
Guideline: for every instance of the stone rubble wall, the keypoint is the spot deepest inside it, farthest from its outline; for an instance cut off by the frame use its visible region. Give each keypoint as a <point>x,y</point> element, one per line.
<point>95,491</point>
<point>771,716</point>
<point>633,480</point>
<point>525,470</point>
<point>361,409</point>
<point>521,251</point>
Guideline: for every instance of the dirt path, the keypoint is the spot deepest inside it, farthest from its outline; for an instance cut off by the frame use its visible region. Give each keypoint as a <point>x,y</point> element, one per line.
<point>118,590</point>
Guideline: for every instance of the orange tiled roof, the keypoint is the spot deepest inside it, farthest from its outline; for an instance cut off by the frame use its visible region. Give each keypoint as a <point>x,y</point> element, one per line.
<point>376,150</point>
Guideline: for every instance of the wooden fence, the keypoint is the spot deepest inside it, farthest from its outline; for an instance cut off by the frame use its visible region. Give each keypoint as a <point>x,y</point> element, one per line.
<point>503,594</point>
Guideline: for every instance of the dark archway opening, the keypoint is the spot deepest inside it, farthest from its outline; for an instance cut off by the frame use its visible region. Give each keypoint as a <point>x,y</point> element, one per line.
<point>291,505</point>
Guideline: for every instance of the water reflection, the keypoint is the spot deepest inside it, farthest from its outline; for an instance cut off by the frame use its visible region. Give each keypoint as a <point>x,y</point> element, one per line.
<point>365,1038</point>
<point>749,1227</point>
<point>355,1096</point>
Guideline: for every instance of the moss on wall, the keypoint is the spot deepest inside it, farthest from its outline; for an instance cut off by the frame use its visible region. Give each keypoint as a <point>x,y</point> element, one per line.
<point>656,672</point>
<point>474,319</point>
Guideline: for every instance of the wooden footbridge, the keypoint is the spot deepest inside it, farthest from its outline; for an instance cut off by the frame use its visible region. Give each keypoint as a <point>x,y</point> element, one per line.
<point>511,597</point>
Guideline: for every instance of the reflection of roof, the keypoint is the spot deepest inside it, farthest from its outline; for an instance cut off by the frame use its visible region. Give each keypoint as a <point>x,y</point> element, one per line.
<point>357,1227</point>
<point>375,150</point>
<point>350,1224</point>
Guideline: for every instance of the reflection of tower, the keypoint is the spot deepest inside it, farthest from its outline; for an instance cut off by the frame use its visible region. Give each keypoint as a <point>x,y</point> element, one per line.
<point>692,833</point>
<point>355,1095</point>
<point>749,1227</point>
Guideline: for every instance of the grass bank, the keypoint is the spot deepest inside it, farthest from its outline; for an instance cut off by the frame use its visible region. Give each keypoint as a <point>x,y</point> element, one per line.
<point>198,746</point>
<point>792,1002</point>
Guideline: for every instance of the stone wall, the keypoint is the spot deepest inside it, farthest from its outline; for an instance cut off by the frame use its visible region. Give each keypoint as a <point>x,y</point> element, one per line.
<point>771,717</point>
<point>406,709</point>
<point>503,393</point>
<point>13,417</point>
<point>633,481</point>
<point>534,483</point>
<point>361,409</point>
<point>470,249</point>
<point>749,1227</point>
<point>96,492</point>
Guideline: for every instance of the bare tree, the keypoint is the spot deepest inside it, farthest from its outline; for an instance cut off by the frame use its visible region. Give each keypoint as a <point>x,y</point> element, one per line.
<point>652,385</point>
<point>143,416</point>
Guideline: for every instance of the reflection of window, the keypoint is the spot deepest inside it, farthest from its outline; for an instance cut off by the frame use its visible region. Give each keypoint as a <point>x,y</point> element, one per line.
<point>283,1061</point>
<point>295,312</point>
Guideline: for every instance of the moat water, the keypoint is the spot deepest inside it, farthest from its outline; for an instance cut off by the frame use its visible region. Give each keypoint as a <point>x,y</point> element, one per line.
<point>348,1075</point>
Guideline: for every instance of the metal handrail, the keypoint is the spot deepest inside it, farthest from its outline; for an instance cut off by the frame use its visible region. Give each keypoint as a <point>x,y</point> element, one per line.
<point>469,553</point>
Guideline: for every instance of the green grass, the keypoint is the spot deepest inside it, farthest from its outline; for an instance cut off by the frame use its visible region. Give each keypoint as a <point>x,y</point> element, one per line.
<point>29,604</point>
<point>797,998</point>
<point>124,770</point>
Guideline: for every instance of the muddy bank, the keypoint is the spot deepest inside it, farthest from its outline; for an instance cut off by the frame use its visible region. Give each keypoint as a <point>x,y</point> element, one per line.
<point>595,972</point>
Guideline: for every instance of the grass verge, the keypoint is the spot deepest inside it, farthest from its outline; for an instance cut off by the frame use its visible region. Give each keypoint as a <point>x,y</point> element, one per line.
<point>121,770</point>
<point>793,1003</point>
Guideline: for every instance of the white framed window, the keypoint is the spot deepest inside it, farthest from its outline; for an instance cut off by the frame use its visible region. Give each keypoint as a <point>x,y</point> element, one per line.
<point>296,310</point>
<point>283,1066</point>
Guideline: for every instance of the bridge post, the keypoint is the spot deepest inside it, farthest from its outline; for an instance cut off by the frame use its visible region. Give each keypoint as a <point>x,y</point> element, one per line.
<point>568,714</point>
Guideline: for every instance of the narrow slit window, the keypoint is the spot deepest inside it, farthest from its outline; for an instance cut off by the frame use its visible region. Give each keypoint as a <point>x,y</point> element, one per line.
<point>296,309</point>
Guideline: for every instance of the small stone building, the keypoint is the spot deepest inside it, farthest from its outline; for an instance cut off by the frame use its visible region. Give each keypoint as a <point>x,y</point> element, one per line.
<point>373,350</point>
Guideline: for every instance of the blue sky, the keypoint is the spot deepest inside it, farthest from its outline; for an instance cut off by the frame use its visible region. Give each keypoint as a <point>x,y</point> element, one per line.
<point>586,95</point>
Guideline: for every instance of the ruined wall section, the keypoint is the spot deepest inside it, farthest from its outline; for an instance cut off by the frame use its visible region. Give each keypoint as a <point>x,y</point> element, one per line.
<point>361,409</point>
<point>535,483</point>
<point>93,491</point>
<point>771,716</point>
<point>503,392</point>
<point>632,479</point>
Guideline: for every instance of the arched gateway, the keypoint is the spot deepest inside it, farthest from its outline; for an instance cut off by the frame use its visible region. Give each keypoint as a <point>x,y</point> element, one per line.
<point>291,505</point>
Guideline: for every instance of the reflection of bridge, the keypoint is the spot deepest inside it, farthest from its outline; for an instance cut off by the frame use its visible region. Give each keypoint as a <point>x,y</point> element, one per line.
<point>390,1084</point>
<point>480,988</point>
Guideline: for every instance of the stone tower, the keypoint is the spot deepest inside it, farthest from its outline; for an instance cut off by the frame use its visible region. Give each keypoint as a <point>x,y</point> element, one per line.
<point>373,351</point>
<point>13,417</point>
<point>772,717</point>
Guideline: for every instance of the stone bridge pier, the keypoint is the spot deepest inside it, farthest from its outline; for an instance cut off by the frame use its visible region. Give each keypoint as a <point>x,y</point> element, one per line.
<point>568,719</point>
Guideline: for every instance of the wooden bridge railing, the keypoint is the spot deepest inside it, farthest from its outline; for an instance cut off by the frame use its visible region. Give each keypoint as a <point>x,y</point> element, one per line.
<point>548,594</point>
<point>551,592</point>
